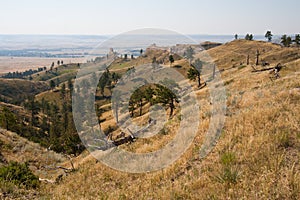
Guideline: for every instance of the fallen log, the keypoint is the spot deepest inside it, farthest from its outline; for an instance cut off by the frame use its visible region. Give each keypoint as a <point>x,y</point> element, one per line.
<point>261,70</point>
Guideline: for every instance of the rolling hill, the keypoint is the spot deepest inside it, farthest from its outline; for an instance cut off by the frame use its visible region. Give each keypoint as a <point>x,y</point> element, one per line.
<point>256,156</point>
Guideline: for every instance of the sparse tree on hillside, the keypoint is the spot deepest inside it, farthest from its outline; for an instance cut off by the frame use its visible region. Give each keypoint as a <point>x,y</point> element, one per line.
<point>57,82</point>
<point>7,119</point>
<point>70,86</point>
<point>189,54</point>
<point>65,115</point>
<point>166,97</point>
<point>55,123</point>
<point>52,84</point>
<point>171,59</point>
<point>269,35</point>
<point>149,92</point>
<point>249,37</point>
<point>104,81</point>
<point>286,40</point>
<point>297,39</point>
<point>131,107</point>
<point>137,98</point>
<point>33,107</point>
<point>154,61</point>
<point>257,56</point>
<point>195,71</point>
<point>115,77</point>
<point>63,91</point>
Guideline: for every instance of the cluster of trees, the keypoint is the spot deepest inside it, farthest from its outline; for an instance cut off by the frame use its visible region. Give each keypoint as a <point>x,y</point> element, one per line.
<point>154,94</point>
<point>22,75</point>
<point>28,73</point>
<point>50,124</point>
<point>107,80</point>
<point>249,36</point>
<point>287,40</point>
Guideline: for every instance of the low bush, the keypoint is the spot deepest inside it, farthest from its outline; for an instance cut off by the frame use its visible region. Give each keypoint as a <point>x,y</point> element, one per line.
<point>19,174</point>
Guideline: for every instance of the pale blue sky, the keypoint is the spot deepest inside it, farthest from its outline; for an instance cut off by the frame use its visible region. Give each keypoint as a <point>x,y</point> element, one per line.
<point>117,16</point>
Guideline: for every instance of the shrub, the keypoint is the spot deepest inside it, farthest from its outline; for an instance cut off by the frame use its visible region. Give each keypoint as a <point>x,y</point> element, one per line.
<point>284,140</point>
<point>228,158</point>
<point>241,66</point>
<point>19,174</point>
<point>228,173</point>
<point>163,131</point>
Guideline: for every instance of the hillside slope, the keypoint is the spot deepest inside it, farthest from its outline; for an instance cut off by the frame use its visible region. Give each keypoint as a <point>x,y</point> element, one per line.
<point>256,157</point>
<point>16,90</point>
<point>42,162</point>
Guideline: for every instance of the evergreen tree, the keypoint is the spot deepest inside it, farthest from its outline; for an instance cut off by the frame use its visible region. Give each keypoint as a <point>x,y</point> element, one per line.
<point>52,84</point>
<point>166,97</point>
<point>189,54</point>
<point>195,71</point>
<point>71,87</point>
<point>297,39</point>
<point>286,40</point>
<point>63,91</point>
<point>7,119</point>
<point>269,36</point>
<point>137,98</point>
<point>171,59</point>
<point>249,37</point>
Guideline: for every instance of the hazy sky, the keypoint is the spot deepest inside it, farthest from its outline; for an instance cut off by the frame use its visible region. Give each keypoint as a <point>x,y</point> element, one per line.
<point>117,16</point>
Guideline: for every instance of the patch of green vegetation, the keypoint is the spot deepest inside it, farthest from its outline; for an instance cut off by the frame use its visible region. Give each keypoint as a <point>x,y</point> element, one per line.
<point>163,131</point>
<point>229,172</point>
<point>241,67</point>
<point>228,158</point>
<point>19,174</point>
<point>228,82</point>
<point>284,140</point>
<point>15,90</point>
<point>122,65</point>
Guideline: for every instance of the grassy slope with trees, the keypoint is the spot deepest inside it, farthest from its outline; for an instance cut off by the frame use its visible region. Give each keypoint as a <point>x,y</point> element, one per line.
<point>262,114</point>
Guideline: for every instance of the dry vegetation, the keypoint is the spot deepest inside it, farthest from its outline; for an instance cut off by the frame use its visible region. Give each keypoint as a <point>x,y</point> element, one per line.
<point>11,64</point>
<point>256,157</point>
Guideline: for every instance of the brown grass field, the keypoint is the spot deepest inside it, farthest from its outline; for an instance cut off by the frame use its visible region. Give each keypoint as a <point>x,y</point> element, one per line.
<point>11,64</point>
<point>256,157</point>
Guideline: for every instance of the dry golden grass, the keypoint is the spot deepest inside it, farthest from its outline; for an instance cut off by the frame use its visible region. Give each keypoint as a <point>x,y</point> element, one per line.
<point>257,156</point>
<point>16,148</point>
